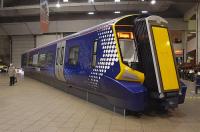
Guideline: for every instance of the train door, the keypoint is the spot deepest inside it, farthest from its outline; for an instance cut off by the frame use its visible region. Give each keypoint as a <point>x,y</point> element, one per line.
<point>59,63</point>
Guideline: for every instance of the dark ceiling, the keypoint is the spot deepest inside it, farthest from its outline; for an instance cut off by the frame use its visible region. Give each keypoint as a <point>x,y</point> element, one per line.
<point>10,3</point>
<point>176,9</point>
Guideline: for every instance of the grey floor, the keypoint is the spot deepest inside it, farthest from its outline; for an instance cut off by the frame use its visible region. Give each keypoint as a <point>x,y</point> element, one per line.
<point>31,106</point>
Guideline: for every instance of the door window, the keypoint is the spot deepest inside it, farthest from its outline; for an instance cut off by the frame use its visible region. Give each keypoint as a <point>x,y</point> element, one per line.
<point>57,56</point>
<point>61,55</point>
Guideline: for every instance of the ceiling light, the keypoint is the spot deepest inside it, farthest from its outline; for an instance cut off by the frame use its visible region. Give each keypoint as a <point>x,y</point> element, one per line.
<point>117,12</point>
<point>153,2</point>
<point>91,13</point>
<point>90,1</point>
<point>58,5</point>
<point>142,0</point>
<point>65,0</point>
<point>144,12</point>
<point>117,0</point>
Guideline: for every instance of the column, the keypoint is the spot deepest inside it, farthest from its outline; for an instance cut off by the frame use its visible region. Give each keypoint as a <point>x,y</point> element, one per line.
<point>198,32</point>
<point>184,43</point>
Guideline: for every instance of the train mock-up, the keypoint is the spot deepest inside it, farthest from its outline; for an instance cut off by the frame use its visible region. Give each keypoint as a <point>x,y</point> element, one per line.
<point>126,63</point>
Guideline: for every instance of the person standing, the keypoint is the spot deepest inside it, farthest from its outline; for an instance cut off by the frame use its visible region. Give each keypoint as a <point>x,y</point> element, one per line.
<point>12,73</point>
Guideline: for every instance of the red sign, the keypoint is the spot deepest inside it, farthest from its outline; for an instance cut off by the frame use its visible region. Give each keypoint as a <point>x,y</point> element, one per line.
<point>44,16</point>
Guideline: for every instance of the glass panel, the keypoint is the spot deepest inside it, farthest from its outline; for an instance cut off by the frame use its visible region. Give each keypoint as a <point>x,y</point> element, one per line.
<point>57,56</point>
<point>94,56</point>
<point>94,60</point>
<point>35,59</point>
<point>24,60</point>
<point>73,55</point>
<point>50,59</point>
<point>128,50</point>
<point>95,47</point>
<point>42,60</point>
<point>30,61</point>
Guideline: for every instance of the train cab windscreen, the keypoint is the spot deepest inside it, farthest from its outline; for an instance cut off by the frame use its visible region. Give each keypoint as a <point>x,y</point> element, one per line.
<point>128,49</point>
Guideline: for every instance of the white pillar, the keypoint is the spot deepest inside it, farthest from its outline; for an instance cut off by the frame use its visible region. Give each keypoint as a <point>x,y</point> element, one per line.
<point>184,43</point>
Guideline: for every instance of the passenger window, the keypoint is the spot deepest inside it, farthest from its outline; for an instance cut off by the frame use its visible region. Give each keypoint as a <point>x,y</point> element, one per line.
<point>30,61</point>
<point>35,60</point>
<point>73,55</point>
<point>50,59</point>
<point>94,54</point>
<point>42,60</point>
<point>24,59</point>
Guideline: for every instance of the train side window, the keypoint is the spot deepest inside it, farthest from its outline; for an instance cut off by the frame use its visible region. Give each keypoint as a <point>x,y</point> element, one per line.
<point>42,60</point>
<point>49,58</point>
<point>35,60</point>
<point>73,55</point>
<point>24,60</point>
<point>30,60</point>
<point>61,56</point>
<point>94,54</point>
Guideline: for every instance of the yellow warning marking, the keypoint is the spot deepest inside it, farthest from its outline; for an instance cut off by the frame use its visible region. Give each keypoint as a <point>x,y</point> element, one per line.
<point>165,58</point>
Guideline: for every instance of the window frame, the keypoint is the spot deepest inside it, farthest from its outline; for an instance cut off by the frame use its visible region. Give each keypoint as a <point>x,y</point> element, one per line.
<point>39,61</point>
<point>57,55</point>
<point>30,60</point>
<point>49,54</point>
<point>94,53</point>
<point>135,52</point>
<point>70,48</point>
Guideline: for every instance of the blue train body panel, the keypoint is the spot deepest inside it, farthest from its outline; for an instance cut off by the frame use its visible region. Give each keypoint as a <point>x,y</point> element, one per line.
<point>99,80</point>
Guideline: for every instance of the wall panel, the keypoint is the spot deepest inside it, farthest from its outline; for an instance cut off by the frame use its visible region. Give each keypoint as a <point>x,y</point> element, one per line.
<point>19,45</point>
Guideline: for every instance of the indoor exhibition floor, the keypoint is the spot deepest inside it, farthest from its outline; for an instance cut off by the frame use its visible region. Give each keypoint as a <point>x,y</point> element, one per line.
<point>31,106</point>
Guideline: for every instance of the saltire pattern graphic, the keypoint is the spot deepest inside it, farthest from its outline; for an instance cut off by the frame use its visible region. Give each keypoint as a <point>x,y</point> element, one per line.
<point>108,56</point>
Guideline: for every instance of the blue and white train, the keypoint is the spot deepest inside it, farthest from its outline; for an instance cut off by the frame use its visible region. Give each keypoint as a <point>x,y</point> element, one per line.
<point>126,63</point>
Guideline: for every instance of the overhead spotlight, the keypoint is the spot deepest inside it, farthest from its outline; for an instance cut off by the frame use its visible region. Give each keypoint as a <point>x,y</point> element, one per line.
<point>144,12</point>
<point>142,0</point>
<point>91,13</point>
<point>58,5</point>
<point>90,1</point>
<point>117,12</point>
<point>65,0</point>
<point>153,2</point>
<point>117,0</point>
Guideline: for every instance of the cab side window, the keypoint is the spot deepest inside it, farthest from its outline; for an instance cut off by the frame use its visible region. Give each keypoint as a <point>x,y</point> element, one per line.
<point>73,55</point>
<point>94,54</point>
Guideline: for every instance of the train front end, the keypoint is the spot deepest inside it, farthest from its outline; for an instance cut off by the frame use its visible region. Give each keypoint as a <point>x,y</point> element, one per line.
<point>146,57</point>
